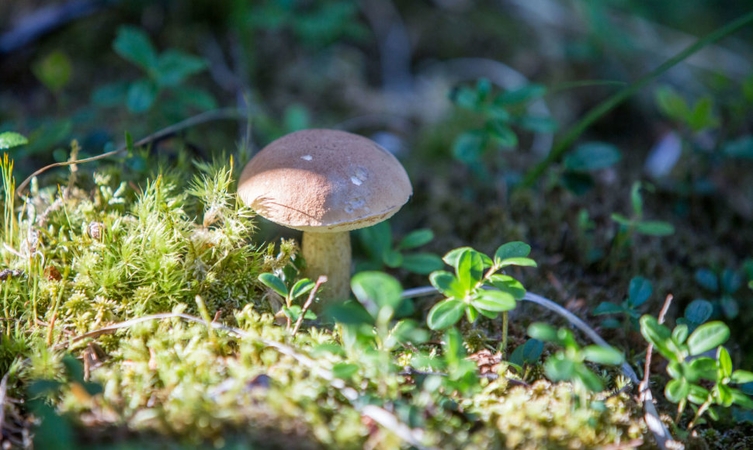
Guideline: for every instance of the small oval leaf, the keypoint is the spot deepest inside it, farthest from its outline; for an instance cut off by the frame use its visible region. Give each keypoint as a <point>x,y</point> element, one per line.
<point>274,283</point>
<point>445,314</point>
<point>708,336</point>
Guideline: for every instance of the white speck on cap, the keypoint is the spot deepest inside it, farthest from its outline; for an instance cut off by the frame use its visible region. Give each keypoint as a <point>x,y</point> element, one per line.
<point>347,182</point>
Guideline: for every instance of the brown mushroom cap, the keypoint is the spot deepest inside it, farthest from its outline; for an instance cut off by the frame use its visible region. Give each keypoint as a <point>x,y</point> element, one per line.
<point>324,181</point>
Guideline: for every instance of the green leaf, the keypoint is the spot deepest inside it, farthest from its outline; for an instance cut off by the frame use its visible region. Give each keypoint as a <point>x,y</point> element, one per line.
<point>741,399</point>
<point>416,238</point>
<point>506,283</point>
<point>174,66</point>
<point>702,116</point>
<point>301,287</point>
<point>422,263</point>
<point>658,335</point>
<point>636,200</point>
<point>528,353</point>
<point>454,349</point>
<point>680,333</point>
<point>447,284</point>
<point>195,98</point>
<point>559,368</point>
<point>344,371</point>
<point>274,283</point>
<point>521,95</point>
<point>515,249</point>
<point>134,45</point>
<point>408,331</point>
<point>376,240</point>
<point>589,379</point>
<point>470,269</point>
<point>465,97</point>
<point>654,228</point>
<point>494,301</point>
<point>445,314</point>
<point>707,279</point>
<point>471,313</point>
<point>607,308</point>
<point>469,146</point>
<point>521,262</point>
<point>10,139</point>
<point>141,96</point>
<point>703,368</point>
<point>453,256</point>
<point>739,148</point>
<point>602,355</point>
<point>349,313</point>
<point>538,124</point>
<point>671,104</point>
<point>725,362</point>
<point>639,291</point>
<point>501,134</point>
<point>622,220</point>
<point>54,70</point>
<point>392,258</point>
<point>376,290</point>
<point>708,336</point>
<point>741,377</point>
<point>699,311</point>
<point>543,332</point>
<point>111,94</point>
<point>730,281</point>
<point>697,394</point>
<point>724,395</point>
<point>592,156</point>
<point>677,390</point>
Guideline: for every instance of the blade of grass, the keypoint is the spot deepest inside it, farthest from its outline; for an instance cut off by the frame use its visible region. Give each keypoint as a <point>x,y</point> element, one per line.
<point>564,144</point>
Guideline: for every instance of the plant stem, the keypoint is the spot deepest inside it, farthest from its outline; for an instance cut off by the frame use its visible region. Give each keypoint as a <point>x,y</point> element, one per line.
<point>702,409</point>
<point>610,103</point>
<point>503,345</point>
<point>309,301</point>
<point>207,318</point>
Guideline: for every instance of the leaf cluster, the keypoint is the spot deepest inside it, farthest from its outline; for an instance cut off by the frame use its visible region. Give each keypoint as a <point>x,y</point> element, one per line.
<point>691,367</point>
<point>468,292</point>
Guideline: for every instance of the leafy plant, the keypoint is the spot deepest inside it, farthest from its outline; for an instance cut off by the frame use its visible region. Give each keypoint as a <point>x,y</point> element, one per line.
<point>569,363</point>
<point>164,72</point>
<point>691,369</point>
<point>381,252</point>
<point>301,287</point>
<point>468,290</point>
<point>699,116</point>
<point>635,224</point>
<point>586,159</point>
<point>499,112</point>
<point>526,355</point>
<point>639,291</point>
<point>723,286</point>
<point>10,139</point>
<point>696,314</point>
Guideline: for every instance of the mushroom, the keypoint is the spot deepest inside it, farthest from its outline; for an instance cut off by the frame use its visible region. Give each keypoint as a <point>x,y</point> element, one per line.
<point>325,183</point>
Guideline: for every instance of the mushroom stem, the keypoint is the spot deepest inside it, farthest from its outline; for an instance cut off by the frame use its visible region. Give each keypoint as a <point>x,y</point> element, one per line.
<point>329,254</point>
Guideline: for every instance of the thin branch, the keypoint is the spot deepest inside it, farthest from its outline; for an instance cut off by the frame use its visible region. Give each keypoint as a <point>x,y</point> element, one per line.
<point>309,301</point>
<point>208,116</point>
<point>651,416</point>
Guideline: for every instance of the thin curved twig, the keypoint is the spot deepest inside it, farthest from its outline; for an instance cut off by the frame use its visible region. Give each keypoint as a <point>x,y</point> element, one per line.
<point>208,116</point>
<point>651,416</point>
